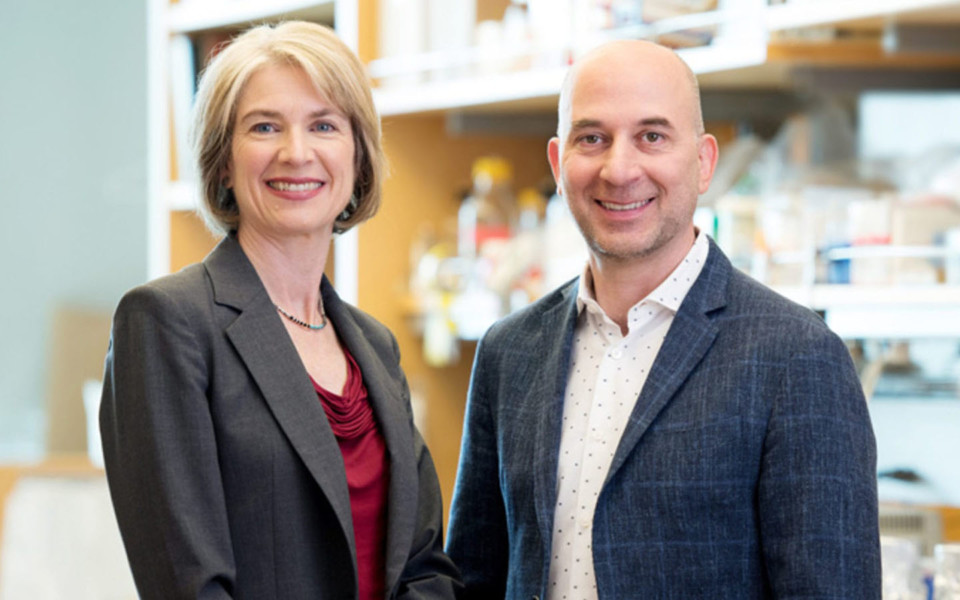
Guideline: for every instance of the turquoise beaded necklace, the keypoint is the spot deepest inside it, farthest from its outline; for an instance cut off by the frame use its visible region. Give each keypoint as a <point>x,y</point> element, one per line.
<point>311,326</point>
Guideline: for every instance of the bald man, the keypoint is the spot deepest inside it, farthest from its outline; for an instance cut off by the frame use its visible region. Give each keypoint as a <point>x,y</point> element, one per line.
<point>662,426</point>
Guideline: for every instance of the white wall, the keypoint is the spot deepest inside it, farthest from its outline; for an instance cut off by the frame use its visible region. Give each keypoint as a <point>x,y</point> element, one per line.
<point>72,183</point>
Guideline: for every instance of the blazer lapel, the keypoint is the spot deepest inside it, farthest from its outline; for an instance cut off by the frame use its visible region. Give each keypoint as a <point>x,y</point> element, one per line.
<point>690,336</point>
<point>265,348</point>
<point>554,339</point>
<point>385,394</point>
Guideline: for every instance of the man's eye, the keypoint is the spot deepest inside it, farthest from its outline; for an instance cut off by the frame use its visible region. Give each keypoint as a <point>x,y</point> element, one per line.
<point>590,139</point>
<point>652,137</point>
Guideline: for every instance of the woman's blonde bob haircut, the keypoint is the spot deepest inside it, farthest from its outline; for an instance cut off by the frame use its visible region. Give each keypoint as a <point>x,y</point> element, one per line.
<point>339,77</point>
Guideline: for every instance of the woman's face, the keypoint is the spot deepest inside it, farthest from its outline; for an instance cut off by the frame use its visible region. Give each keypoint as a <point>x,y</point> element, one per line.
<point>292,157</point>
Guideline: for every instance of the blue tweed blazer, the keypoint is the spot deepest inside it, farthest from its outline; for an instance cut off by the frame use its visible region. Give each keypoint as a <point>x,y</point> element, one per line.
<point>747,470</point>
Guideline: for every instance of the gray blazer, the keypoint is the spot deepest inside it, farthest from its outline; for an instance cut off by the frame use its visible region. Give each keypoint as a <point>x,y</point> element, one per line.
<point>225,475</point>
<point>746,471</point>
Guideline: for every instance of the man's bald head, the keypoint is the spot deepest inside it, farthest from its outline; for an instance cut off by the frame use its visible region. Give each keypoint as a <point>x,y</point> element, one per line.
<point>621,58</point>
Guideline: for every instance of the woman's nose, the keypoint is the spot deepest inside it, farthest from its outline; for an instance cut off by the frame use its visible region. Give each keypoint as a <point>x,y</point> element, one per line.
<point>295,148</point>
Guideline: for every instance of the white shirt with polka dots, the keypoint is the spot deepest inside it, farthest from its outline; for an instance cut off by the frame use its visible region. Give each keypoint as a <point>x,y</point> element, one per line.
<point>607,373</point>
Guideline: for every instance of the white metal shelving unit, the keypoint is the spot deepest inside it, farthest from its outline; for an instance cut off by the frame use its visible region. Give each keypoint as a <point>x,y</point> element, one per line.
<point>809,13</point>
<point>189,16</point>
<point>519,87</point>
<point>743,45</point>
<point>753,20</point>
<point>884,311</point>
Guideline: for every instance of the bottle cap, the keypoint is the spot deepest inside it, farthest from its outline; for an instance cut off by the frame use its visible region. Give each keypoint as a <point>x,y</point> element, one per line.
<point>531,199</point>
<point>495,169</point>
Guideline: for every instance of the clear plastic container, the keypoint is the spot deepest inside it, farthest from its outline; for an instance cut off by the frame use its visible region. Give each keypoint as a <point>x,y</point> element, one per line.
<point>489,213</point>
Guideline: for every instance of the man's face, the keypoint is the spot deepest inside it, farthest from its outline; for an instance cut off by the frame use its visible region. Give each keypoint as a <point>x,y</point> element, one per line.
<point>631,162</point>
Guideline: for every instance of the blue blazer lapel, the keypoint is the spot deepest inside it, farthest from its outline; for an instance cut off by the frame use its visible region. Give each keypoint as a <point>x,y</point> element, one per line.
<point>386,396</point>
<point>555,338</point>
<point>690,336</point>
<point>265,348</point>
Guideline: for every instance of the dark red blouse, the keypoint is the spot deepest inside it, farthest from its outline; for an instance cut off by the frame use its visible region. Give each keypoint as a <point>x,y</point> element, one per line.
<point>365,459</point>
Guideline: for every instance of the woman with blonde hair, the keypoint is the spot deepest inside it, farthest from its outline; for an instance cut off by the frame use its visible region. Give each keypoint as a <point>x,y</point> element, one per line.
<point>257,430</point>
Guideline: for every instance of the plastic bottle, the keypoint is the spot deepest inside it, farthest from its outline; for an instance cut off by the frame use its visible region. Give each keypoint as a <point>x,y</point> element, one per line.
<point>531,206</point>
<point>485,223</point>
<point>489,213</point>
<point>526,256</point>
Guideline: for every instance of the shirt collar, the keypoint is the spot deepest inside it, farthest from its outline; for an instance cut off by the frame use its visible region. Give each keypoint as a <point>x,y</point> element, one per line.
<point>669,294</point>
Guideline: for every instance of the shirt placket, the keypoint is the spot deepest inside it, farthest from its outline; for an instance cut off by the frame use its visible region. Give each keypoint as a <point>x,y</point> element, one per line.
<point>594,460</point>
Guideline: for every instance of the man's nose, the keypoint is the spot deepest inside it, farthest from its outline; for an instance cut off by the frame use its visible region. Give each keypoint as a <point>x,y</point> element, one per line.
<point>623,162</point>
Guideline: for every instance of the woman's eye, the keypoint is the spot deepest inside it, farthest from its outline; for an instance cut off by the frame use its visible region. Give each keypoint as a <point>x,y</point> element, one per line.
<point>324,127</point>
<point>263,128</point>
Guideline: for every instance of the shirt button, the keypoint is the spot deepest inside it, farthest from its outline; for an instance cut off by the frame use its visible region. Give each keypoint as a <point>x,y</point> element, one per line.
<point>584,523</point>
<point>616,353</point>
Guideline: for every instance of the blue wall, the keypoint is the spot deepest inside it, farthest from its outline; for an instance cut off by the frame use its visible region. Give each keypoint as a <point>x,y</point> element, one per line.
<point>73,190</point>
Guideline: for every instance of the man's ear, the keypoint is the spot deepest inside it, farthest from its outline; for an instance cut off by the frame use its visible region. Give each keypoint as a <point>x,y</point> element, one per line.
<point>553,155</point>
<point>708,152</point>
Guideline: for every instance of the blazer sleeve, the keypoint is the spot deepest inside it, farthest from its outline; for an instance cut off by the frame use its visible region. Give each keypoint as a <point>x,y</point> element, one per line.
<point>429,573</point>
<point>478,538</point>
<point>160,451</point>
<point>817,494</point>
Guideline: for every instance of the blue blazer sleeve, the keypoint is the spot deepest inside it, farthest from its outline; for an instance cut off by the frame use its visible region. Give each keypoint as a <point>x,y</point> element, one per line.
<point>478,525</point>
<point>816,496</point>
